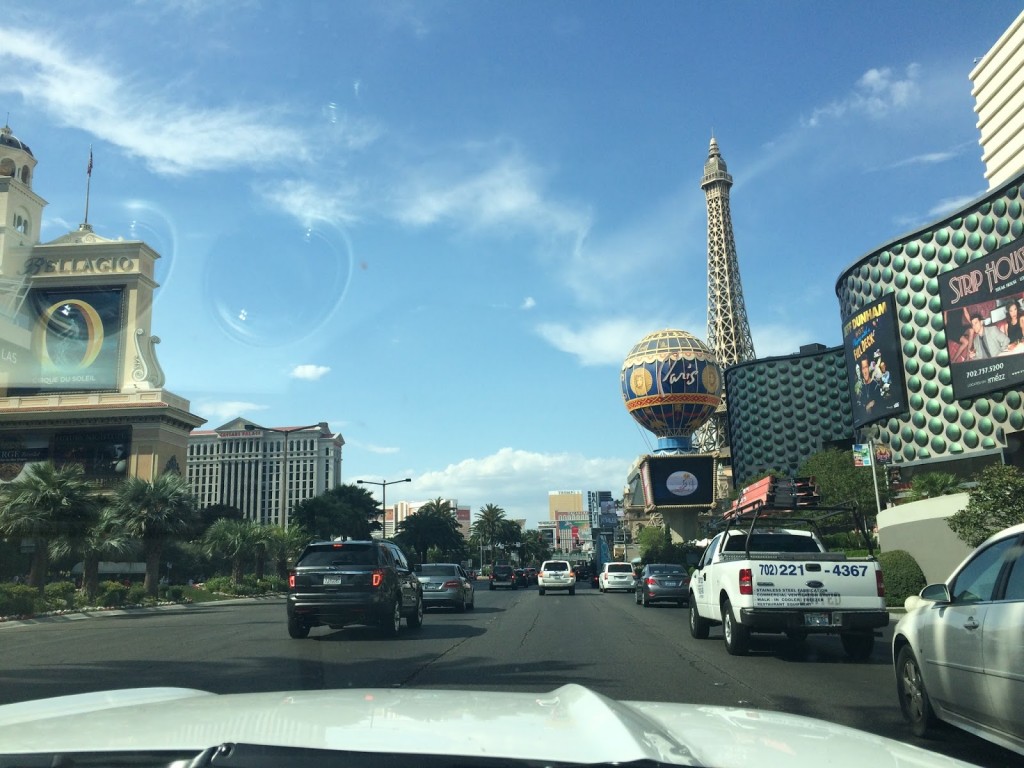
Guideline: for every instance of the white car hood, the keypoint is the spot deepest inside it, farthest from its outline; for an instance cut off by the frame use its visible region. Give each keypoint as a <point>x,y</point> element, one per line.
<point>569,724</point>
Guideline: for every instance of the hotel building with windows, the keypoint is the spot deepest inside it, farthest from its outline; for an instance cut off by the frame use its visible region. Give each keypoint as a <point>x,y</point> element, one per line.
<point>245,465</point>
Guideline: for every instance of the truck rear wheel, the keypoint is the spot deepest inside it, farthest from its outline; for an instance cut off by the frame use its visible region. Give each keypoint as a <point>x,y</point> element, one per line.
<point>699,626</point>
<point>858,645</point>
<point>736,636</point>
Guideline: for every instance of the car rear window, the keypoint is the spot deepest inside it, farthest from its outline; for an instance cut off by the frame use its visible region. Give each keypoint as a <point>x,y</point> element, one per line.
<point>502,570</point>
<point>438,570</point>
<point>771,542</point>
<point>339,554</point>
<point>665,569</point>
<point>556,566</point>
<point>620,568</point>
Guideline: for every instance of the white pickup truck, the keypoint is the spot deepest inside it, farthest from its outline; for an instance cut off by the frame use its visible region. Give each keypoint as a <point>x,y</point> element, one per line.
<point>773,579</point>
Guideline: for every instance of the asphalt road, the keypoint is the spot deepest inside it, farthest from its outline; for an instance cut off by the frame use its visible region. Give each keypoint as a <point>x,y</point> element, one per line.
<point>513,640</point>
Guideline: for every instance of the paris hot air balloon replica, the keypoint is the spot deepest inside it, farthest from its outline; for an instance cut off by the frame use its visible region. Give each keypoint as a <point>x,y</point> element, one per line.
<point>671,384</point>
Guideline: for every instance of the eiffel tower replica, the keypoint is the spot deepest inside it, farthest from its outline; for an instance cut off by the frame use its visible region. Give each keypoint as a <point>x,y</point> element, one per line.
<point>728,328</point>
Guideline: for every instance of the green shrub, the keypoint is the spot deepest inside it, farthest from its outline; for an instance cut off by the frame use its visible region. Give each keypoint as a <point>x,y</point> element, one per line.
<point>111,594</point>
<point>137,595</point>
<point>175,593</point>
<point>17,600</point>
<point>60,595</point>
<point>219,584</point>
<point>903,576</point>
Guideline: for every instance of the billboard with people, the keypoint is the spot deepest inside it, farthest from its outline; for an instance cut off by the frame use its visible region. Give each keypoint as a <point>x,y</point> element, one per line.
<point>983,313</point>
<point>872,344</point>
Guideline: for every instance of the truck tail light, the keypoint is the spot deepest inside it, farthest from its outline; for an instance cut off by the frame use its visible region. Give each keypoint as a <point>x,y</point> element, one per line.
<point>291,579</point>
<point>880,582</point>
<point>378,577</point>
<point>746,581</point>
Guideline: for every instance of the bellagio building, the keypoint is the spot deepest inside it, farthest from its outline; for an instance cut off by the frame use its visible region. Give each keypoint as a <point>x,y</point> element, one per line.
<point>263,471</point>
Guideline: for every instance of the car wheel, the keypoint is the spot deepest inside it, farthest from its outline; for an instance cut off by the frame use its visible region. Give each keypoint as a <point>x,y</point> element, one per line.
<point>490,587</point>
<point>572,590</point>
<point>736,636</point>
<point>858,645</point>
<point>636,597</point>
<point>415,621</point>
<point>540,590</point>
<point>699,626</point>
<point>297,629</point>
<point>914,702</point>
<point>644,601</point>
<point>472,603</point>
<point>391,622</point>
<point>462,606</point>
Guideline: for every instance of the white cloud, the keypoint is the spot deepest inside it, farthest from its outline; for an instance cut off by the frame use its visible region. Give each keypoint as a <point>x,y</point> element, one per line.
<point>308,201</point>
<point>876,94</point>
<point>505,192</point>
<point>774,340</point>
<point>528,303</point>
<point>217,412</point>
<point>309,372</point>
<point>605,342</point>
<point>145,121</point>
<point>518,481</point>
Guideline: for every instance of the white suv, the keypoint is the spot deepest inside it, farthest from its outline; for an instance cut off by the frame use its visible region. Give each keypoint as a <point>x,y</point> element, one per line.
<point>556,574</point>
<point>616,576</point>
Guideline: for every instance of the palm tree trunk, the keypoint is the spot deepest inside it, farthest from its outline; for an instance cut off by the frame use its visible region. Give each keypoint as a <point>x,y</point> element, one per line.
<point>40,565</point>
<point>152,582</point>
<point>90,576</point>
<point>237,569</point>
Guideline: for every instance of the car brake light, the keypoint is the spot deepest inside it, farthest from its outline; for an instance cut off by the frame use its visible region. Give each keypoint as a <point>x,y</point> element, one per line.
<point>650,580</point>
<point>746,581</point>
<point>880,582</point>
<point>291,580</point>
<point>378,577</point>
<point>451,583</point>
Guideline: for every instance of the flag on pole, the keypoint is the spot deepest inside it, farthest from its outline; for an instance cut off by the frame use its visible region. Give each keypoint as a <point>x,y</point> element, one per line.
<point>88,171</point>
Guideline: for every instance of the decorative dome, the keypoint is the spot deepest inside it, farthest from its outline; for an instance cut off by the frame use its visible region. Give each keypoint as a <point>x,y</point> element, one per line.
<point>8,139</point>
<point>671,384</point>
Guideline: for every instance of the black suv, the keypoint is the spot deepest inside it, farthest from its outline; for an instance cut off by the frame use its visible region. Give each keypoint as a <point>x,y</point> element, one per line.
<point>353,582</point>
<point>502,576</point>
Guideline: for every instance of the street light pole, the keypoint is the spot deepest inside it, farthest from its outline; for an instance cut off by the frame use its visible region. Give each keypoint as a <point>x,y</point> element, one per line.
<point>282,512</point>
<point>383,490</point>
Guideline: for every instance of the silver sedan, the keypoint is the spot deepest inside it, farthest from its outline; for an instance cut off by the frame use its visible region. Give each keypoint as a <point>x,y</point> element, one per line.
<point>958,651</point>
<point>446,584</point>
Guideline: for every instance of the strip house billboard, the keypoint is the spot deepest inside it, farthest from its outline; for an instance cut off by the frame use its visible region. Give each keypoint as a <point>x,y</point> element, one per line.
<point>982,307</point>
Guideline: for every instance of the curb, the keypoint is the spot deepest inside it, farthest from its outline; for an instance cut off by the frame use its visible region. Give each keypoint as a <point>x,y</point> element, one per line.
<point>99,613</point>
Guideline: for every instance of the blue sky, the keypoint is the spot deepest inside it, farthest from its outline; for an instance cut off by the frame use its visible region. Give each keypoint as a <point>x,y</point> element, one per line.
<point>441,226</point>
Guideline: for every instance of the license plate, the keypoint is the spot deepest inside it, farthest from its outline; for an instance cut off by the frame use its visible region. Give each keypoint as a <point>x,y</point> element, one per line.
<point>816,620</point>
<point>671,583</point>
<point>330,581</point>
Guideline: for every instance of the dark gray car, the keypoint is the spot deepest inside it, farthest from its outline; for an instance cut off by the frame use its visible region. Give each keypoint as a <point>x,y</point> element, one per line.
<point>335,583</point>
<point>446,584</point>
<point>662,582</point>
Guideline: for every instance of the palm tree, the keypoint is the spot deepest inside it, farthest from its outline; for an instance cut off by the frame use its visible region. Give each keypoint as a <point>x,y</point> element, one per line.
<point>233,539</point>
<point>433,525</point>
<point>47,503</point>
<point>488,524</point>
<point>289,544</point>
<point>928,485</point>
<point>154,513</point>
<point>105,539</point>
